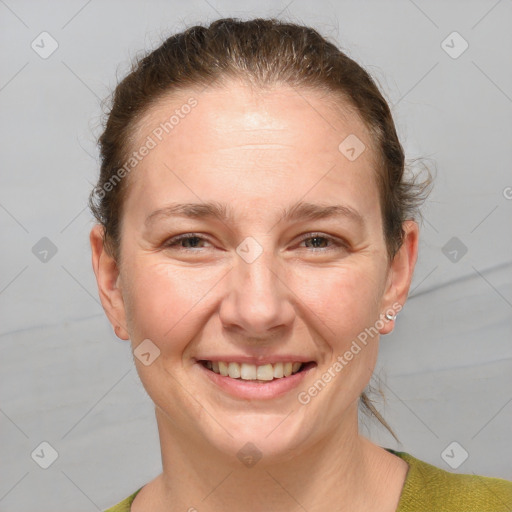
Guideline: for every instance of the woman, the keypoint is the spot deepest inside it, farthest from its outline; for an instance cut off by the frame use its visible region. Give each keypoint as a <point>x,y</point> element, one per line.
<point>255,237</point>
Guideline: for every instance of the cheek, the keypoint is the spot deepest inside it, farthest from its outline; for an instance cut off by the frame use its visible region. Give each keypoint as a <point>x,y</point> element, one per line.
<point>163,300</point>
<point>344,298</point>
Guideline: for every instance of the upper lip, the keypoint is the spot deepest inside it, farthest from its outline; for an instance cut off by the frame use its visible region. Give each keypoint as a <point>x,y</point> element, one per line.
<point>258,361</point>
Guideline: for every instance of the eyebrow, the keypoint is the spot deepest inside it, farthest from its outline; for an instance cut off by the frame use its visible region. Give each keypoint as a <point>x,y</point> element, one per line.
<point>300,211</point>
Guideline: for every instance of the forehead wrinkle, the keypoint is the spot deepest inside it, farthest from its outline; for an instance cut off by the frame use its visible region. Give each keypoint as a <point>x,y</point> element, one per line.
<point>211,209</point>
<point>224,212</point>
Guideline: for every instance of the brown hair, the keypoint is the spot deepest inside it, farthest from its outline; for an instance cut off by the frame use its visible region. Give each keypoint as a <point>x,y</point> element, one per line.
<point>261,52</point>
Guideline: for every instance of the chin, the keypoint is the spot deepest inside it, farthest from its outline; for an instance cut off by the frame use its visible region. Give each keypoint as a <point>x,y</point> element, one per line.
<point>268,438</point>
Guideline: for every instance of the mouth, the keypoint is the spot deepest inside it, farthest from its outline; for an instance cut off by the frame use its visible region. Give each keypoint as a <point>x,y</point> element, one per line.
<point>256,381</point>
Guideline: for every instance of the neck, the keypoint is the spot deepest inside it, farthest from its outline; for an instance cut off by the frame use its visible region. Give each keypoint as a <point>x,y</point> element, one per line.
<point>344,469</point>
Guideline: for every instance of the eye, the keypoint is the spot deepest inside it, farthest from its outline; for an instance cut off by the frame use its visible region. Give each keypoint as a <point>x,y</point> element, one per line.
<point>192,239</point>
<point>319,242</point>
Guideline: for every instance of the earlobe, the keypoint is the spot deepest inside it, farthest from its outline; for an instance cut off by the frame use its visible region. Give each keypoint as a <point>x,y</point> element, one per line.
<point>107,278</point>
<point>400,276</point>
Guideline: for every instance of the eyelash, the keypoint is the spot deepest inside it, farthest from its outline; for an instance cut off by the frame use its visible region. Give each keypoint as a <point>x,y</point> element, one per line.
<point>337,244</point>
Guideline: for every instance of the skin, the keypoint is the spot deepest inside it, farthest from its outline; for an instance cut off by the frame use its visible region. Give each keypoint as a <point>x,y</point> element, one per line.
<point>257,151</point>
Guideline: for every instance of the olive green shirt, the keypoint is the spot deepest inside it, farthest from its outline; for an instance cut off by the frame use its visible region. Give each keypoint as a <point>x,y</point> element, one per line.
<point>428,488</point>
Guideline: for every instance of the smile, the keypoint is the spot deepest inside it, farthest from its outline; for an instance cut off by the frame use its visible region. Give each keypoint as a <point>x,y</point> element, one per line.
<point>255,381</point>
<point>246,371</point>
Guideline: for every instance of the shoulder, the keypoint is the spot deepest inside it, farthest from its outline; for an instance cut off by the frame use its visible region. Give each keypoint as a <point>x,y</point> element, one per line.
<point>125,505</point>
<point>428,488</point>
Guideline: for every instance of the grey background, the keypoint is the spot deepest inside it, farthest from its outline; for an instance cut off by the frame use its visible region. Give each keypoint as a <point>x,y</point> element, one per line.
<point>65,379</point>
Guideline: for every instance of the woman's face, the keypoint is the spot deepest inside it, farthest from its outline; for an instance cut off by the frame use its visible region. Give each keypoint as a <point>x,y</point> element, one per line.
<point>293,271</point>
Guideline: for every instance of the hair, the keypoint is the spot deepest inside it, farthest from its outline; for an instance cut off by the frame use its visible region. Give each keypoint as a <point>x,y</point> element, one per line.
<point>260,52</point>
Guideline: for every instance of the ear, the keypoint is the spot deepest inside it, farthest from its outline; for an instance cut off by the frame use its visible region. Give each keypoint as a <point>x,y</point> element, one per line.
<point>400,275</point>
<point>107,277</point>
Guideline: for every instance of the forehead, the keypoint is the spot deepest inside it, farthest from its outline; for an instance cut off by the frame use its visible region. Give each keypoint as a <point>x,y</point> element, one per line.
<point>236,141</point>
<point>253,115</point>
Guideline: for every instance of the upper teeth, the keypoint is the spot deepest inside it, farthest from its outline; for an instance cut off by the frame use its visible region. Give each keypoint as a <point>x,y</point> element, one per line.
<point>247,371</point>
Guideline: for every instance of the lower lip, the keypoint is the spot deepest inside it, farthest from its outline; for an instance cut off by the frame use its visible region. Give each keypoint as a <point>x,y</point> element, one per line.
<point>251,390</point>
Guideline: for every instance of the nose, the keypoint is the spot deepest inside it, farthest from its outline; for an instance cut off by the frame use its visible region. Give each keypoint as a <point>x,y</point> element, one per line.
<point>258,300</point>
